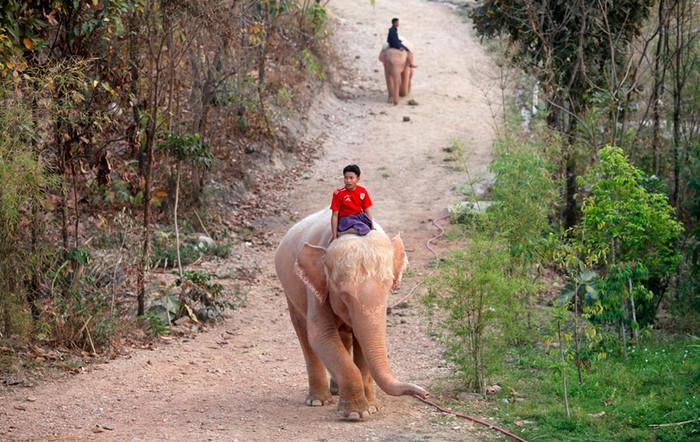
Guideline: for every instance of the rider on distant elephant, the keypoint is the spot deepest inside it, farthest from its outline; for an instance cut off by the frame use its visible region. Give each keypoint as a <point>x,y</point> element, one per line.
<point>395,42</point>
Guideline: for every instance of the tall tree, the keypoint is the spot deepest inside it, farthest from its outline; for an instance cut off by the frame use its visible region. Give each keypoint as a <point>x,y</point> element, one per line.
<point>685,40</point>
<point>571,48</point>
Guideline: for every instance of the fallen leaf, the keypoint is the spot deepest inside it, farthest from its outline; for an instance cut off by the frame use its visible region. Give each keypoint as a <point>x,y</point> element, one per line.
<point>492,388</point>
<point>601,414</point>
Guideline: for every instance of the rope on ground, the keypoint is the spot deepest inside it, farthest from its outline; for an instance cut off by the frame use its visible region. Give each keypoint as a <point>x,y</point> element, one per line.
<point>427,244</point>
<point>473,419</point>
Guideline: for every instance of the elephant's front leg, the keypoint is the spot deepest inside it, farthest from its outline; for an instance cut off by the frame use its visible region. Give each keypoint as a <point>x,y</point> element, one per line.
<point>319,393</point>
<point>367,381</point>
<point>327,344</point>
<point>394,84</point>
<point>346,337</point>
<point>389,81</point>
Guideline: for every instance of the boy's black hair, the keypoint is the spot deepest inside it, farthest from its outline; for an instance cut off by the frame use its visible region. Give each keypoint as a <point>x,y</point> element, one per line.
<point>394,20</point>
<point>352,168</point>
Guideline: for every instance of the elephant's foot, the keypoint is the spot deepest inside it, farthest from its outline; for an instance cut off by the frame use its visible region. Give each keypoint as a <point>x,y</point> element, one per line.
<point>356,410</point>
<point>319,400</point>
<point>373,406</point>
<point>373,402</point>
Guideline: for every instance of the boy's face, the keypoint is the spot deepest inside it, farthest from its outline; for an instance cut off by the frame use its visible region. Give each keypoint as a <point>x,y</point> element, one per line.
<point>350,180</point>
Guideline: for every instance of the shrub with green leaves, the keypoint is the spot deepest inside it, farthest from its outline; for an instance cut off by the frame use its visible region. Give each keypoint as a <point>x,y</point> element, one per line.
<point>633,231</point>
<point>198,296</point>
<point>524,193</point>
<point>473,305</point>
<point>24,179</point>
<point>687,299</point>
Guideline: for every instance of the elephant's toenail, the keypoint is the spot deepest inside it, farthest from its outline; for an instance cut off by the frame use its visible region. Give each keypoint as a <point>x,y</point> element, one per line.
<point>354,416</point>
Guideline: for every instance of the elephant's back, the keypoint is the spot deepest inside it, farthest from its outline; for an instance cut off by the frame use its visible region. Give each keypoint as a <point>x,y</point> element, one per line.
<point>315,229</point>
<point>395,56</point>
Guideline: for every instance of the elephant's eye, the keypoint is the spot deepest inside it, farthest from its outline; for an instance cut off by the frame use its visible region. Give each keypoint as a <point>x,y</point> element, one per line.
<point>345,291</point>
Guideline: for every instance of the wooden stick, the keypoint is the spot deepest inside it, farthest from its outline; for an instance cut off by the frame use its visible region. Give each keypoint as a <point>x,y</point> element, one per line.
<point>674,423</point>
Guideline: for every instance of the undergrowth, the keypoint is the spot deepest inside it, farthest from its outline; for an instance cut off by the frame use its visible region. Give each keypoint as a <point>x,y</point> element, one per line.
<point>569,361</point>
<point>652,395</point>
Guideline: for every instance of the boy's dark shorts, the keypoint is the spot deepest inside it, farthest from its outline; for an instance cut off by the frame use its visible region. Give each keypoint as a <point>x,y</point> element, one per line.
<point>360,222</point>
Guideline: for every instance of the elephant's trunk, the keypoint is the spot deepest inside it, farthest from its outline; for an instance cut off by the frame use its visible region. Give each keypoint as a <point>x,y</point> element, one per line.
<point>372,340</point>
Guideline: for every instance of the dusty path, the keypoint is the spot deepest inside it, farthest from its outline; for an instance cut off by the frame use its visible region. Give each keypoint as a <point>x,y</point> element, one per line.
<point>245,380</point>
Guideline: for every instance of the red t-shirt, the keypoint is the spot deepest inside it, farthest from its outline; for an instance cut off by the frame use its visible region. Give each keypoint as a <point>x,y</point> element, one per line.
<point>349,203</point>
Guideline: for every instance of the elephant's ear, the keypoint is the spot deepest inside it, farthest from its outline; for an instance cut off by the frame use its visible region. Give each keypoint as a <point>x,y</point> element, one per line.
<point>309,267</point>
<point>400,260</point>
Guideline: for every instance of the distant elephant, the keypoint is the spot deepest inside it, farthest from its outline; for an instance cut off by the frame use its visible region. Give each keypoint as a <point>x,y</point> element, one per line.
<point>337,299</point>
<point>397,71</point>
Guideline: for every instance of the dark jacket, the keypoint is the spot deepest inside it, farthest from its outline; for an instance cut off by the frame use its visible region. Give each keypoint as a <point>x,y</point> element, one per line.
<point>393,39</point>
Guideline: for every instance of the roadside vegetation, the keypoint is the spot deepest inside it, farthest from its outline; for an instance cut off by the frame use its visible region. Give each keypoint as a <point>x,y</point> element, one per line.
<point>132,134</point>
<point>573,310</point>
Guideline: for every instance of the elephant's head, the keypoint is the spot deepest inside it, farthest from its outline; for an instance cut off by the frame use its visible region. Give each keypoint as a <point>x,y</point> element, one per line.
<point>355,274</point>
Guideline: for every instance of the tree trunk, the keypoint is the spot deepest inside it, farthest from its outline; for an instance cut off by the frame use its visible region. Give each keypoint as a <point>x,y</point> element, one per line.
<point>133,132</point>
<point>677,98</point>
<point>157,42</point>
<point>74,181</point>
<point>63,167</point>
<point>570,211</point>
<point>577,334</point>
<point>563,370</point>
<point>635,328</point>
<point>177,230</point>
<point>657,92</point>
<point>145,252</point>
<point>623,335</point>
<point>34,285</point>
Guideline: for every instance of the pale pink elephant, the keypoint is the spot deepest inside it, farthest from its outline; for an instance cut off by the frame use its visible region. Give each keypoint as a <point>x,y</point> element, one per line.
<point>397,71</point>
<point>337,296</point>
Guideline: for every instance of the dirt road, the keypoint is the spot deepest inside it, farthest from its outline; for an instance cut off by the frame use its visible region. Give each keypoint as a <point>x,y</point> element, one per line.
<point>245,379</point>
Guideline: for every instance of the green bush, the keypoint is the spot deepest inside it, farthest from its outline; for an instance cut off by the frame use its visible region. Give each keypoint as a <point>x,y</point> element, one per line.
<point>81,322</point>
<point>633,235</point>
<point>23,184</point>
<point>474,308</point>
<point>198,296</point>
<point>687,299</point>
<point>165,255</point>
<point>524,193</point>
